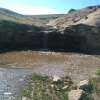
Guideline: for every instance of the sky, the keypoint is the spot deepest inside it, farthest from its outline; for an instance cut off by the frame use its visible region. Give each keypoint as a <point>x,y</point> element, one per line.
<point>38,7</point>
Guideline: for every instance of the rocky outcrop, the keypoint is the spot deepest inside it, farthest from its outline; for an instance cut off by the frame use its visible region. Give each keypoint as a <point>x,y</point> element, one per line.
<point>77,37</point>
<point>85,37</point>
<point>71,10</point>
<point>56,79</point>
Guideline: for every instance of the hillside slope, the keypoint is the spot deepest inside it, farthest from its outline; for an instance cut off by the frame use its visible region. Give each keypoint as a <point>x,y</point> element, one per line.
<point>6,14</point>
<point>74,16</point>
<point>40,20</point>
<point>93,19</point>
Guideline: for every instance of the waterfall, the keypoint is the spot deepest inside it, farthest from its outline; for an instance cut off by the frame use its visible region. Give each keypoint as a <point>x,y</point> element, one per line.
<point>62,42</point>
<point>45,40</point>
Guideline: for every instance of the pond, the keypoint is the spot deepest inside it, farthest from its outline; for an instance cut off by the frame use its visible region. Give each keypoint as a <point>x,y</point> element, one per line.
<point>17,66</point>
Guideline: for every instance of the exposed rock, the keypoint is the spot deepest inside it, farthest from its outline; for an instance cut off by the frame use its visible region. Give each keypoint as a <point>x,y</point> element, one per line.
<point>71,10</point>
<point>65,87</point>
<point>83,84</point>
<point>24,98</point>
<point>78,36</point>
<point>56,79</point>
<point>76,94</point>
<point>77,16</point>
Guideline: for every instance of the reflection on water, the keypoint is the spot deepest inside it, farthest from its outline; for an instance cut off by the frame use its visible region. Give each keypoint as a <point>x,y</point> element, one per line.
<point>17,67</point>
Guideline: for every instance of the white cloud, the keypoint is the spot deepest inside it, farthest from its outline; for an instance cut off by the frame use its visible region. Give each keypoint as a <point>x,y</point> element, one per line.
<point>31,10</point>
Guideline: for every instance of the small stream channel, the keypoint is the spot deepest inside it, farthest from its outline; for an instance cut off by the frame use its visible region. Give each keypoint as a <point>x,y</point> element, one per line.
<point>17,66</point>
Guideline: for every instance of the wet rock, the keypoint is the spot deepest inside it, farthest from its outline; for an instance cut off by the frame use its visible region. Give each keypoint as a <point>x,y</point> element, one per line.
<point>83,84</point>
<point>65,87</point>
<point>56,79</point>
<point>76,94</point>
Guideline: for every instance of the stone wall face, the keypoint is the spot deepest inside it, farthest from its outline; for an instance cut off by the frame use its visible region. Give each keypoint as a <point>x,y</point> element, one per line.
<point>82,37</point>
<point>87,36</point>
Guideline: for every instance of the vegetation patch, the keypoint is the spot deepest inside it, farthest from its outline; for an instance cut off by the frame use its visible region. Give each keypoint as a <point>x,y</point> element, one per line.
<point>44,88</point>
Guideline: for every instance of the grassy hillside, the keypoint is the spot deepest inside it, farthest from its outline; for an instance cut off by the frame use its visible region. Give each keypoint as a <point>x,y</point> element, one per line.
<point>40,20</point>
<point>6,14</point>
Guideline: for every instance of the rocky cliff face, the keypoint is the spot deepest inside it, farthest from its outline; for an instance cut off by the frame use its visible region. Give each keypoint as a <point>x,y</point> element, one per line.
<point>81,37</point>
<point>86,37</point>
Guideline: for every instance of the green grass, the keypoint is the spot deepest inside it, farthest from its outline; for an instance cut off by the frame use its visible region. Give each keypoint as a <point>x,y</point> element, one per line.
<point>54,16</point>
<point>16,26</point>
<point>40,20</point>
<point>40,88</point>
<point>94,88</point>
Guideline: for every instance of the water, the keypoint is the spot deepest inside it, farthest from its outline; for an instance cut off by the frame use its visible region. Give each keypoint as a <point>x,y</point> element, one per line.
<point>62,41</point>
<point>45,40</point>
<point>17,67</point>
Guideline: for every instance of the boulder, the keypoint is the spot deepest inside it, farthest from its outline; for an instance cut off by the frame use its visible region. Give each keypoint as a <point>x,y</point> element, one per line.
<point>56,79</point>
<point>76,94</point>
<point>83,84</point>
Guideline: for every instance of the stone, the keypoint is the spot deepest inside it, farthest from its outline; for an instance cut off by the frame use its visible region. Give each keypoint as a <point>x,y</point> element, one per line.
<point>65,87</point>
<point>52,85</point>
<point>56,79</point>
<point>24,98</point>
<point>83,84</point>
<point>76,94</point>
